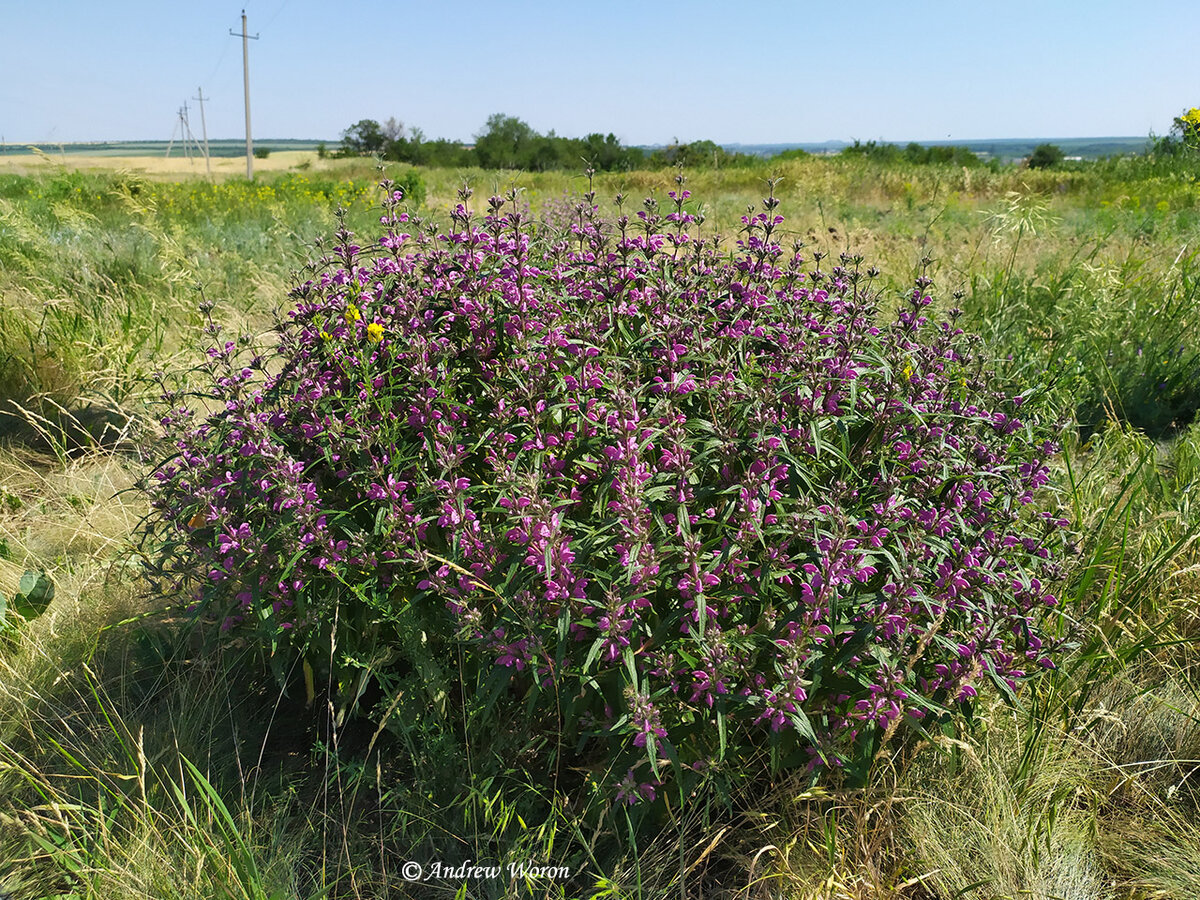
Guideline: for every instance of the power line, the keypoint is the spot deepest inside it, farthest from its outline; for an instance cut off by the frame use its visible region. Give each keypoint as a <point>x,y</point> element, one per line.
<point>275,15</point>
<point>217,67</point>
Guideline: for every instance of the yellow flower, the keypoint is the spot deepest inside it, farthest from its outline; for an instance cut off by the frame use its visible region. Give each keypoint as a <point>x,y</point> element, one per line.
<point>352,315</point>
<point>375,332</point>
<point>325,335</point>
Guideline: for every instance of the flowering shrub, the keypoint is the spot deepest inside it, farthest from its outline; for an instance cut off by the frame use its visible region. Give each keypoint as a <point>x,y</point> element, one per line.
<point>688,501</point>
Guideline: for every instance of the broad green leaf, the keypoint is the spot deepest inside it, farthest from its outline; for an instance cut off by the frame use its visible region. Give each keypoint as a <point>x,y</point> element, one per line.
<point>37,590</point>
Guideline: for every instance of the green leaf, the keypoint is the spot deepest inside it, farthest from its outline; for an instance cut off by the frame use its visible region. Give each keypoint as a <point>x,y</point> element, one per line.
<point>803,726</point>
<point>593,652</point>
<point>631,667</point>
<point>37,590</point>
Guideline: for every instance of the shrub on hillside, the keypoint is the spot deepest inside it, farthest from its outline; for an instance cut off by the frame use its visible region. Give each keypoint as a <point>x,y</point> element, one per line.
<point>1045,156</point>
<point>912,152</point>
<point>682,502</point>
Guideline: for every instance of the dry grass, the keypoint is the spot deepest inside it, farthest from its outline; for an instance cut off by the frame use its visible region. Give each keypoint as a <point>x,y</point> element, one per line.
<point>70,520</point>
<point>175,167</point>
<point>1008,816</point>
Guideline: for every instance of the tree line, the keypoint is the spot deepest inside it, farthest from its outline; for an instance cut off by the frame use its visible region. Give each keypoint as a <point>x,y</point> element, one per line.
<point>507,142</point>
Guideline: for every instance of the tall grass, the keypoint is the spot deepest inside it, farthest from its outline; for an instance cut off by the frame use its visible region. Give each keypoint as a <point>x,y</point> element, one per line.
<point>99,283</point>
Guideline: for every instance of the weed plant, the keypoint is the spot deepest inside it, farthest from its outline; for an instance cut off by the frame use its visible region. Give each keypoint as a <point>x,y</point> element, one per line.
<point>680,505</point>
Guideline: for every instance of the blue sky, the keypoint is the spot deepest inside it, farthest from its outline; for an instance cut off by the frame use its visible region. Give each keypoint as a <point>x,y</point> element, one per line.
<point>650,71</point>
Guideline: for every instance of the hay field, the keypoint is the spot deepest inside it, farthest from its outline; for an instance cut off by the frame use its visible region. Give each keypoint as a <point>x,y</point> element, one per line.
<point>172,168</point>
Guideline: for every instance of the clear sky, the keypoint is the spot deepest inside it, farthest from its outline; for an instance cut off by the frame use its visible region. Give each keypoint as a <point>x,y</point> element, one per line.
<point>749,71</point>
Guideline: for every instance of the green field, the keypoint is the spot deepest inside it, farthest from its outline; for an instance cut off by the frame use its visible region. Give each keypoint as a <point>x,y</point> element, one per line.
<point>141,758</point>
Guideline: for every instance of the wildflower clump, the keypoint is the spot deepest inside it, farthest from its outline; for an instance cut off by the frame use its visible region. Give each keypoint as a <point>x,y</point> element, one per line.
<point>685,500</point>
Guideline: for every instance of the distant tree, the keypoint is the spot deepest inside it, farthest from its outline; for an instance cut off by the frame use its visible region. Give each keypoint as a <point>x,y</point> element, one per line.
<point>446,153</point>
<point>1045,156</point>
<point>697,155</point>
<point>693,155</point>
<point>549,151</point>
<point>880,152</point>
<point>914,153</point>
<point>604,153</point>
<point>363,138</point>
<point>964,156</point>
<point>402,150</point>
<point>506,143</point>
<point>949,153</point>
<point>393,129</point>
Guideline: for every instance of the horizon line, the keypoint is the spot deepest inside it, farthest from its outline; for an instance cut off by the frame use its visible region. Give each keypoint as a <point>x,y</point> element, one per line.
<point>739,143</point>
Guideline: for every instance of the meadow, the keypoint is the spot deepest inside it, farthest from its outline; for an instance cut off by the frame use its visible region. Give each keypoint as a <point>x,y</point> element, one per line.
<point>144,754</point>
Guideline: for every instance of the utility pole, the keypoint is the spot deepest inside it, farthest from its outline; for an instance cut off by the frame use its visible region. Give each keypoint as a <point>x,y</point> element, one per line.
<point>246,38</point>
<point>204,130</point>
<point>186,132</point>
<point>182,129</point>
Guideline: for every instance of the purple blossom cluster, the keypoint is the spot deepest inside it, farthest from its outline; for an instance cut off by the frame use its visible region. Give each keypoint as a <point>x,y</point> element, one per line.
<point>697,497</point>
